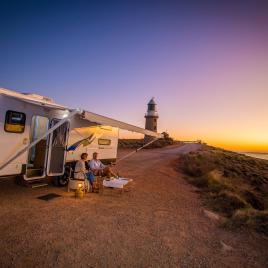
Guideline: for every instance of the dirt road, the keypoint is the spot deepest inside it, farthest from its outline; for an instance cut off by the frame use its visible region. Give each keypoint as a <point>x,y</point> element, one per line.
<point>159,223</point>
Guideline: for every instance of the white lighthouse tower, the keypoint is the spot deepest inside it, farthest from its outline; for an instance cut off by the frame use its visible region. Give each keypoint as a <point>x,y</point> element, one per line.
<point>151,117</point>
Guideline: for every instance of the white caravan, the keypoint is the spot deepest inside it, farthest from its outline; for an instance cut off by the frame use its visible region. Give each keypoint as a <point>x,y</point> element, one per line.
<point>38,137</point>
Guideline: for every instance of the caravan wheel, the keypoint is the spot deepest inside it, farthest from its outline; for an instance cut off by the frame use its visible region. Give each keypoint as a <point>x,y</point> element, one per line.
<point>64,179</point>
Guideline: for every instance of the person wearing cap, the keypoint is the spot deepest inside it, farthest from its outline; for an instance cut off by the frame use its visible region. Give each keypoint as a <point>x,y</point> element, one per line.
<point>99,169</point>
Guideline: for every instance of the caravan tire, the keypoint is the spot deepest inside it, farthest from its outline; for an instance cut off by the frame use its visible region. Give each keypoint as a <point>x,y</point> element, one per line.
<point>63,180</point>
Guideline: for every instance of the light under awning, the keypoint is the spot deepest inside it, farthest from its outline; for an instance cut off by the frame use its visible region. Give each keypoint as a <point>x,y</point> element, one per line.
<point>103,120</point>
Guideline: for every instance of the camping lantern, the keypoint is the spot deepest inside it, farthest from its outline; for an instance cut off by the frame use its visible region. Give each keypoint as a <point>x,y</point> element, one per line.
<point>79,193</point>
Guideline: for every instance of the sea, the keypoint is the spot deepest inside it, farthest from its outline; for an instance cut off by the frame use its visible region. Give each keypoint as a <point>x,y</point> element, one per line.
<point>258,155</point>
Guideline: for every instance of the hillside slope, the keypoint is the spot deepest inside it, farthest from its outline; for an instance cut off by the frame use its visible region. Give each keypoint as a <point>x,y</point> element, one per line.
<point>234,185</point>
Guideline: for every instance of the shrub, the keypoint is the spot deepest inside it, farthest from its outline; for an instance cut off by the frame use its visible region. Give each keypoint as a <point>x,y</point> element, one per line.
<point>200,182</point>
<point>196,166</point>
<point>228,202</point>
<point>232,184</point>
<point>216,183</point>
<point>254,200</point>
<point>251,218</point>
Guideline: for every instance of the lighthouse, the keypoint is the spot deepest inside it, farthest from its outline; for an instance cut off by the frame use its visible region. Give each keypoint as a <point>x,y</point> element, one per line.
<point>151,117</point>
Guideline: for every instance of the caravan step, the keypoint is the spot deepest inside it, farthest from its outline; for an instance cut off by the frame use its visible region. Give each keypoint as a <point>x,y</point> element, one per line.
<point>34,182</point>
<point>34,172</point>
<point>37,185</point>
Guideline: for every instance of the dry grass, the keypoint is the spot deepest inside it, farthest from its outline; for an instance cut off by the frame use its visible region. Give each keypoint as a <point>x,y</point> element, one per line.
<point>130,143</point>
<point>250,218</point>
<point>232,184</point>
<point>136,143</point>
<point>226,202</point>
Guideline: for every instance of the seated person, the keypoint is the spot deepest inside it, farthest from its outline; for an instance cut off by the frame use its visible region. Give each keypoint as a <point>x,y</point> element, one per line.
<point>81,172</point>
<point>99,169</point>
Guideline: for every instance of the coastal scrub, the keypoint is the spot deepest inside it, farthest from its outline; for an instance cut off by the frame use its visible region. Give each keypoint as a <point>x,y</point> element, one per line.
<point>232,184</point>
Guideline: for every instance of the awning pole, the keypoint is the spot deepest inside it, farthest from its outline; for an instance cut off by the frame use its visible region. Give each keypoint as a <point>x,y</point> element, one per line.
<point>62,121</point>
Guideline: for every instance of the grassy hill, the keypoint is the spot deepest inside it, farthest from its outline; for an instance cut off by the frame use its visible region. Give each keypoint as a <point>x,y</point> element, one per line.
<point>232,184</point>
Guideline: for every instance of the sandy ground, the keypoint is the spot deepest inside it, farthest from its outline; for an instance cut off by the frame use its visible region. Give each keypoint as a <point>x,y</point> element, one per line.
<point>159,223</point>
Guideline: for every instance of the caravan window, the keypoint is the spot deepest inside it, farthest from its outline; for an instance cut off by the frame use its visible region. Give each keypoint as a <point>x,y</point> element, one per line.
<point>15,122</point>
<point>104,142</point>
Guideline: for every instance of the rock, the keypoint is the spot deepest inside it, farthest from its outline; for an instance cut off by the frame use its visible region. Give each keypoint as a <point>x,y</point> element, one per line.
<point>211,215</point>
<point>226,247</point>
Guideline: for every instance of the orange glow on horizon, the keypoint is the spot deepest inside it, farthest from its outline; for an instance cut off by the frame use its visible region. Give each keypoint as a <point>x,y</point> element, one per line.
<point>234,142</point>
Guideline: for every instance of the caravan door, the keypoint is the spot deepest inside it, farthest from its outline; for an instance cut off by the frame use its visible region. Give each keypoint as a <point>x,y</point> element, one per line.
<point>37,155</point>
<point>57,149</point>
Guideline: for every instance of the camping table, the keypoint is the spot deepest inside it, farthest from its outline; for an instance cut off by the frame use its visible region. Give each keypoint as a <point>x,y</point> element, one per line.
<point>118,183</point>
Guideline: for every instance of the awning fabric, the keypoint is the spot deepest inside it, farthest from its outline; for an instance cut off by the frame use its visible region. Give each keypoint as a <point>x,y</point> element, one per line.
<point>103,120</point>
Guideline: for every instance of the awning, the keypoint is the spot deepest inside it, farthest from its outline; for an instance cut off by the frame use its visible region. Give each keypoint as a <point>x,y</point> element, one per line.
<point>103,120</point>
<point>92,117</point>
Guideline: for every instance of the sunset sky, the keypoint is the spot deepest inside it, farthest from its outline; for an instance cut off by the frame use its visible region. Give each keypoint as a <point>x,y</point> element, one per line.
<point>205,64</point>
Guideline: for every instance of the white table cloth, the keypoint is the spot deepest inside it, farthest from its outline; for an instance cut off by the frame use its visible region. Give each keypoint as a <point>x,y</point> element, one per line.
<point>116,182</point>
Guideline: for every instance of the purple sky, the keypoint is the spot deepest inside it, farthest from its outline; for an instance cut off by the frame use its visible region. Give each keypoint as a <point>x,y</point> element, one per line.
<point>206,65</point>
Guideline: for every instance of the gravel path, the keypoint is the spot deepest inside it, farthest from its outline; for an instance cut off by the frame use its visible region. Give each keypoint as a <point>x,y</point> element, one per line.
<point>158,223</point>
